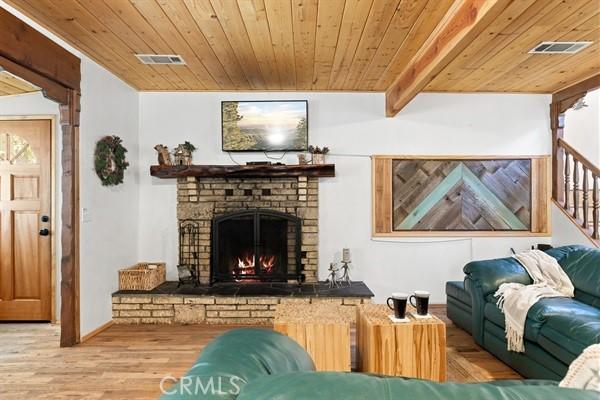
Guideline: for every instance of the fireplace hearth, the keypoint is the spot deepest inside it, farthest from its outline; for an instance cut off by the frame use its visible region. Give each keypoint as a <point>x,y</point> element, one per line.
<point>256,245</point>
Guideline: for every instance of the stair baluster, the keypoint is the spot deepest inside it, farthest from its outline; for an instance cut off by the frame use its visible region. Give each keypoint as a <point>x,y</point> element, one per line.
<point>595,207</point>
<point>575,188</point>
<point>567,180</point>
<point>585,201</point>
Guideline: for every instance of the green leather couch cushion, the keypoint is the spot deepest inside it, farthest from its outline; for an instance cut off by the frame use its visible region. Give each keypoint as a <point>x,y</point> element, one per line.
<point>354,386</point>
<point>493,313</point>
<point>582,265</point>
<point>566,323</point>
<point>457,290</point>
<point>535,362</point>
<point>573,331</point>
<point>236,357</point>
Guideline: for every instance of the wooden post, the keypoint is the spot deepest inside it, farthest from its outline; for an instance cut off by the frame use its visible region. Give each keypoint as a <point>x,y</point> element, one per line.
<point>69,286</point>
<point>558,154</point>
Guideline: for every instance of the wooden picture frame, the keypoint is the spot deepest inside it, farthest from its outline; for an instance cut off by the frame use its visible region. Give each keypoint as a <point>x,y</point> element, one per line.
<point>383,209</point>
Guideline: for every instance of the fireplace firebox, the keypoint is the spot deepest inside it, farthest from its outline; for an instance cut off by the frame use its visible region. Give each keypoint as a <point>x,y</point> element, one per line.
<point>256,245</point>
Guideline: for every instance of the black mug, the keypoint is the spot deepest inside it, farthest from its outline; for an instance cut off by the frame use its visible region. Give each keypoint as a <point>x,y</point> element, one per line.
<point>421,301</point>
<point>399,307</point>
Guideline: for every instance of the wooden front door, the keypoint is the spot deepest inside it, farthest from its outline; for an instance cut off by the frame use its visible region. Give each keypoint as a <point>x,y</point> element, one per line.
<point>25,205</point>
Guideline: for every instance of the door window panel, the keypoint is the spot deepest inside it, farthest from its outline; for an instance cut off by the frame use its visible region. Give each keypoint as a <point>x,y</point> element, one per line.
<point>16,150</point>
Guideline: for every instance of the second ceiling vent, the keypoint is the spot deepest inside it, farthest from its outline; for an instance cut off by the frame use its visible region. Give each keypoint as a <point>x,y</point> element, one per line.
<point>160,59</point>
<point>559,47</point>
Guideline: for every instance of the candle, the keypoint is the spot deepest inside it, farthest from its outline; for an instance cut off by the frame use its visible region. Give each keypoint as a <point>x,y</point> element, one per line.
<point>346,255</point>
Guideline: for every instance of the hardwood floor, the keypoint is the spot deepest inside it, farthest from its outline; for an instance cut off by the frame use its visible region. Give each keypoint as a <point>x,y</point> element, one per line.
<point>128,362</point>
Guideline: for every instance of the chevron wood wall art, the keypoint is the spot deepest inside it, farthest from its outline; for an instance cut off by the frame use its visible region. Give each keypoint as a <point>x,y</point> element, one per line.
<point>460,196</point>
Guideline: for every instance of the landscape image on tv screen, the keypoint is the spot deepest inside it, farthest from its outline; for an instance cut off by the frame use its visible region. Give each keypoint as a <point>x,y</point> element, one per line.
<point>265,125</point>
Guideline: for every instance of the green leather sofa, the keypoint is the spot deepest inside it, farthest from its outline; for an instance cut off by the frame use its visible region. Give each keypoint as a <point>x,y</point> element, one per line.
<point>557,329</point>
<point>257,364</point>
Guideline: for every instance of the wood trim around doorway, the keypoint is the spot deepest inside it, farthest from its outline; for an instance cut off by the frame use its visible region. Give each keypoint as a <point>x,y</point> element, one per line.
<point>53,202</point>
<point>27,53</point>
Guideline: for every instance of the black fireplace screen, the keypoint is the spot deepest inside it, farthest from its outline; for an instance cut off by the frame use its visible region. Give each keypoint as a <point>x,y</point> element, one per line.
<point>256,245</point>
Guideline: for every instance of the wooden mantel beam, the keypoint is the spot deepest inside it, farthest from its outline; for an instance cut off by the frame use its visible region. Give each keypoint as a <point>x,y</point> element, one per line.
<point>462,23</point>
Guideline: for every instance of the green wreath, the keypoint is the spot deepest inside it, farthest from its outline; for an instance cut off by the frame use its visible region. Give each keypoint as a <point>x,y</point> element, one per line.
<point>109,160</point>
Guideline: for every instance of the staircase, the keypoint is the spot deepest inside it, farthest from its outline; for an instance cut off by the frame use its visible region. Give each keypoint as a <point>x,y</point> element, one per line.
<point>575,189</point>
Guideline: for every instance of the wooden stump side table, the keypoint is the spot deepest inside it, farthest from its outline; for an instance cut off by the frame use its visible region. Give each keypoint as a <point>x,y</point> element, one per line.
<point>415,349</point>
<point>323,330</point>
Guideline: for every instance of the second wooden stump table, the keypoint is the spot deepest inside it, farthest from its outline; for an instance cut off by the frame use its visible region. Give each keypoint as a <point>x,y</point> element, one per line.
<point>415,349</point>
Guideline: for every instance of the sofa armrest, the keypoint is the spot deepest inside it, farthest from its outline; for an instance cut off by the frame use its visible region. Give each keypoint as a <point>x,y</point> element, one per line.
<point>488,275</point>
<point>484,278</point>
<point>235,358</point>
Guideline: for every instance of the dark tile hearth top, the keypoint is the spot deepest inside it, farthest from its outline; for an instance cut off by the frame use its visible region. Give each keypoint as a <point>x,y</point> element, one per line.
<point>319,289</point>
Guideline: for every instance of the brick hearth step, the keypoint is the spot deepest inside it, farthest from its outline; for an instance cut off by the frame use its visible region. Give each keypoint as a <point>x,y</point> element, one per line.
<point>246,303</point>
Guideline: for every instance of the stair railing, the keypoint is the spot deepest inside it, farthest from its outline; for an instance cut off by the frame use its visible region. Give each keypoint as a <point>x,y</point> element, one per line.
<point>579,179</point>
<point>574,177</point>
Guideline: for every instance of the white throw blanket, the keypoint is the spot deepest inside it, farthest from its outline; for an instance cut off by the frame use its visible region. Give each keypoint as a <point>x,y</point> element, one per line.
<point>515,299</point>
<point>584,372</point>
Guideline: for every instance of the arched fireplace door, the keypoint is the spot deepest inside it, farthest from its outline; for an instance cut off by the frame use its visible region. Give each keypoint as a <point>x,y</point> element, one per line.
<point>256,246</point>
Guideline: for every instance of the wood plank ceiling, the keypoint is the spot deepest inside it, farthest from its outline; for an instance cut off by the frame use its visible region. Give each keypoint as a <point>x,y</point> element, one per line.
<point>337,45</point>
<point>11,85</point>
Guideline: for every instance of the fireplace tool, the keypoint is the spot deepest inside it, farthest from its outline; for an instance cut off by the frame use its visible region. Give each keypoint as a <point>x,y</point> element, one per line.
<point>189,249</point>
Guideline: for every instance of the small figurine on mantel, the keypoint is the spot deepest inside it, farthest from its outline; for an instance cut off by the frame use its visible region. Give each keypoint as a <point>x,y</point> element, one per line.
<point>332,279</point>
<point>164,157</point>
<point>183,153</point>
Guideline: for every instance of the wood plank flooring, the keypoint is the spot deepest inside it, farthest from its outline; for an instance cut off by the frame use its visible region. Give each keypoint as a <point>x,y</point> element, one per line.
<point>128,362</point>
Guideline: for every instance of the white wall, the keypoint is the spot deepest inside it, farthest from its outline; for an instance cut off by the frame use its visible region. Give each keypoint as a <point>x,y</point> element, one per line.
<point>36,104</point>
<point>352,124</point>
<point>109,228</point>
<point>109,236</point>
<point>565,231</point>
<point>582,127</point>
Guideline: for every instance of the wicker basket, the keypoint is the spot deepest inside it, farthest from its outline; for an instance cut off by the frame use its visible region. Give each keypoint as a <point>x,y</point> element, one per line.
<point>142,276</point>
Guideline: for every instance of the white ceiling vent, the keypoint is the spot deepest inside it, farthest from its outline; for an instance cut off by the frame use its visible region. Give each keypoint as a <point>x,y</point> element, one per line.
<point>160,59</point>
<point>559,47</point>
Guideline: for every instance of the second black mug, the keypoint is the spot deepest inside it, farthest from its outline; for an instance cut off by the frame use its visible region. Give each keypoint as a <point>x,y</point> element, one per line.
<point>421,303</point>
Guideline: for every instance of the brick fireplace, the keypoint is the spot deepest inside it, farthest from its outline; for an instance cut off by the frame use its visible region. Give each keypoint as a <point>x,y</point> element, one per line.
<point>276,209</point>
<point>205,200</point>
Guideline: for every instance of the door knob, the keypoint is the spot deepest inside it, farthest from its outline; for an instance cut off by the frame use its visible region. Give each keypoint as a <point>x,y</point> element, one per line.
<point>45,218</point>
<point>44,232</point>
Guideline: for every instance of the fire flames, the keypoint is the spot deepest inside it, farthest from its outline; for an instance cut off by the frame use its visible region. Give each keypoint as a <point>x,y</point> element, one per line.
<point>246,265</point>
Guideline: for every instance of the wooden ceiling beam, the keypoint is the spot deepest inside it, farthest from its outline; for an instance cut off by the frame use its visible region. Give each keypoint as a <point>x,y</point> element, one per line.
<point>460,26</point>
<point>17,42</point>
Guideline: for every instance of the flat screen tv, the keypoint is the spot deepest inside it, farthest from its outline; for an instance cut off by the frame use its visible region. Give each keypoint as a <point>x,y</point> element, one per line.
<point>264,125</point>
